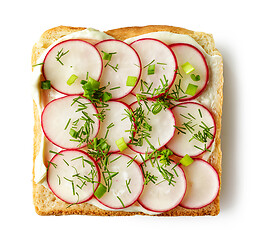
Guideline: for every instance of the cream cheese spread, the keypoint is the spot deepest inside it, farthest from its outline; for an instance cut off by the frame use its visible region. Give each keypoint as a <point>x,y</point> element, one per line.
<point>208,98</point>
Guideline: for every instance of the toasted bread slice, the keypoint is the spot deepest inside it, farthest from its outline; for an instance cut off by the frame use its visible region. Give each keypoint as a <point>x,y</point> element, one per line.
<point>46,203</point>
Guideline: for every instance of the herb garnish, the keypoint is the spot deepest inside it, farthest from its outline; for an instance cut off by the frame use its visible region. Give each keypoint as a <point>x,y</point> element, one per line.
<point>140,128</point>
<point>60,54</point>
<point>96,94</point>
<point>108,57</point>
<point>189,126</point>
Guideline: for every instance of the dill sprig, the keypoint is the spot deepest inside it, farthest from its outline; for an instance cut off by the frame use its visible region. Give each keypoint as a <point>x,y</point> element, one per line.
<point>60,54</point>
<point>189,126</point>
<point>86,130</point>
<point>140,128</point>
<point>161,165</point>
<point>99,150</point>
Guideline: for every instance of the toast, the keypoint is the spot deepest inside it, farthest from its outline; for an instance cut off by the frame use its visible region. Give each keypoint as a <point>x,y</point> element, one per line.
<point>46,203</point>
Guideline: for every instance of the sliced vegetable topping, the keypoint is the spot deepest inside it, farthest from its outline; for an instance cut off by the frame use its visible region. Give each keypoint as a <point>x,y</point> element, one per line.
<point>195,129</point>
<point>112,69</point>
<point>120,63</point>
<point>70,122</point>
<point>192,73</point>
<point>158,67</point>
<point>165,185</point>
<point>152,129</point>
<point>203,184</point>
<point>114,126</point>
<point>73,176</point>
<point>68,59</point>
<point>123,179</point>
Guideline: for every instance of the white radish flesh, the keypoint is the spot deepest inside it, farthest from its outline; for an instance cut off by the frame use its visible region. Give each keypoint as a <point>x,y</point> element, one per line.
<point>73,176</point>
<point>155,52</point>
<point>64,116</point>
<point>72,57</point>
<point>162,125</point>
<point>159,195</point>
<point>115,124</point>
<point>187,53</point>
<point>124,62</point>
<point>203,184</point>
<point>127,184</point>
<point>195,129</point>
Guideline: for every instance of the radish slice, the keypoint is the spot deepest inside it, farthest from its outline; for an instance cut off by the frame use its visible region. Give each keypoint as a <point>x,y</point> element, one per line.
<point>162,127</point>
<point>127,184</point>
<point>186,53</point>
<point>120,62</point>
<point>73,176</point>
<point>195,129</point>
<point>64,118</point>
<point>155,54</point>
<point>203,184</point>
<point>158,195</point>
<point>116,124</point>
<point>72,57</point>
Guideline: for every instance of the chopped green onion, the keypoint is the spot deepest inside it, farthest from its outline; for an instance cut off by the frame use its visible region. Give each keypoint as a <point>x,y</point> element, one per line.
<point>195,78</point>
<point>187,67</point>
<point>131,81</point>
<point>95,84</point>
<point>106,97</point>
<point>156,109</point>
<point>191,89</point>
<point>121,144</point>
<point>91,84</point>
<point>151,69</point>
<point>74,133</point>
<point>100,191</point>
<point>46,84</point>
<point>72,79</point>
<point>83,82</point>
<point>186,160</point>
<point>166,152</point>
<point>107,56</point>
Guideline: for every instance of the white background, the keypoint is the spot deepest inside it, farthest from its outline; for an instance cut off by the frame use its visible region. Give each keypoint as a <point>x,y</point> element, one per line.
<point>233,24</point>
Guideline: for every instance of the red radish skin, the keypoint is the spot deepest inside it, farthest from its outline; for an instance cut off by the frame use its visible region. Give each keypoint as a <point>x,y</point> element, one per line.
<point>110,199</point>
<point>194,188</point>
<point>59,122</point>
<point>160,197</point>
<point>174,47</point>
<point>172,65</point>
<point>164,119</point>
<point>93,65</point>
<point>123,52</point>
<point>179,119</point>
<point>55,181</point>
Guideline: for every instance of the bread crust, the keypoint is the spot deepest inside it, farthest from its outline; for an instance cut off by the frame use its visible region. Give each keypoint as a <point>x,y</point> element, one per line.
<point>44,200</point>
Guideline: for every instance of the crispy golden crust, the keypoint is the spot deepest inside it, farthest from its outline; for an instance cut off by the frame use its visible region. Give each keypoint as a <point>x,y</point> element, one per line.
<point>44,200</point>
